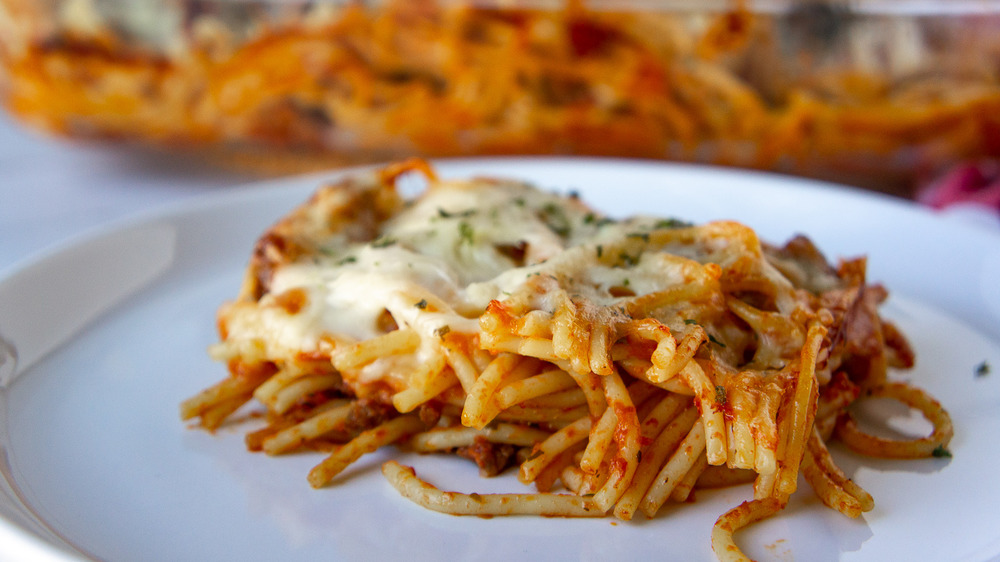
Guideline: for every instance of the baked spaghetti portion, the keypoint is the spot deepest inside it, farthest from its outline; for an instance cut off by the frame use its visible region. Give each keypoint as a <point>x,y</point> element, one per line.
<point>618,364</point>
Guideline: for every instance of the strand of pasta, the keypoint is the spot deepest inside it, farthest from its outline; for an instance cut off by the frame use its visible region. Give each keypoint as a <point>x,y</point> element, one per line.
<point>599,352</point>
<point>214,416</point>
<point>477,412</point>
<point>670,356</point>
<point>943,429</point>
<point>459,357</point>
<point>367,442</point>
<point>765,484</point>
<point>545,383</point>
<point>405,480</point>
<point>556,443</point>
<point>764,427</point>
<point>552,473</point>
<point>833,488</point>
<point>747,513</point>
<point>711,414</point>
<point>569,398</point>
<point>409,399</point>
<point>588,483</point>
<point>626,437</point>
<point>662,445</point>
<point>214,404</point>
<point>638,368</point>
<point>740,399</point>
<point>291,393</point>
<point>684,487</point>
<point>599,440</point>
<point>680,293</point>
<point>682,461</point>
<point>550,416</point>
<point>592,386</point>
<point>444,438</point>
<point>355,355</point>
<point>323,422</point>
<point>723,477</point>
<point>661,414</point>
<point>804,398</point>
<point>225,389</point>
<point>570,338</point>
<point>267,392</point>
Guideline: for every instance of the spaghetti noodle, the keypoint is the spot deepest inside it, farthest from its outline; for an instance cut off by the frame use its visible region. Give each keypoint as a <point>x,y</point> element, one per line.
<point>619,364</point>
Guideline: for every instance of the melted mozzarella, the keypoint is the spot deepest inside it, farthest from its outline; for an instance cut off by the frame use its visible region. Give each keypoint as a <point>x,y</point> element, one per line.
<point>437,264</point>
<point>348,299</point>
<point>454,244</point>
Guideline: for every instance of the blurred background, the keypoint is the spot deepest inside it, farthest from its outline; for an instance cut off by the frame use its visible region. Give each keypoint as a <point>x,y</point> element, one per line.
<point>173,97</point>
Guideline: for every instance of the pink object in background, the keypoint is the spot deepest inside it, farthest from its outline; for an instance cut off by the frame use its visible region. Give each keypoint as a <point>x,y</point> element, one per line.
<point>976,183</point>
<point>968,193</point>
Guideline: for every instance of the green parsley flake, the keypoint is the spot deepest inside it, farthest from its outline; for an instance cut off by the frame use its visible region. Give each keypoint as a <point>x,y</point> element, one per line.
<point>628,260</point>
<point>591,218</point>
<point>941,453</point>
<point>466,233</point>
<point>422,304</point>
<point>982,369</point>
<point>460,214</point>
<point>555,218</point>
<point>715,340</point>
<point>720,394</point>
<point>672,223</point>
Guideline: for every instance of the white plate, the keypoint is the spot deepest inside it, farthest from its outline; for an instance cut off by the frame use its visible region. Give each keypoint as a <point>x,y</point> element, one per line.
<point>110,335</point>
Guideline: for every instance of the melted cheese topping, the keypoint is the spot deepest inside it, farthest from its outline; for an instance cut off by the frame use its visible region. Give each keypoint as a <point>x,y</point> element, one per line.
<point>437,265</point>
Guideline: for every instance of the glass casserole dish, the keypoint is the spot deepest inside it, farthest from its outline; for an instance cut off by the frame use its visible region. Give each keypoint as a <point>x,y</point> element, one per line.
<point>879,94</point>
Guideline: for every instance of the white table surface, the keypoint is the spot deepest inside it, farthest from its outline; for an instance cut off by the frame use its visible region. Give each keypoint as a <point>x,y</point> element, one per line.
<point>52,189</point>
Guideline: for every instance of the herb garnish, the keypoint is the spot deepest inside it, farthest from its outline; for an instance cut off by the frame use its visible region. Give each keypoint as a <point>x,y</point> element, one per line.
<point>555,218</point>
<point>628,260</point>
<point>671,223</point>
<point>591,218</point>
<point>466,233</point>
<point>982,369</point>
<point>720,394</point>
<point>941,453</point>
<point>457,214</point>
